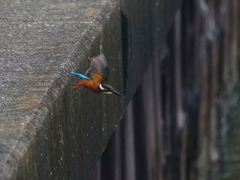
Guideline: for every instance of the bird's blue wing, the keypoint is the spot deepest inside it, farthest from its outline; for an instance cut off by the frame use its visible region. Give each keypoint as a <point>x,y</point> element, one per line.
<point>106,75</point>
<point>99,66</point>
<point>80,75</point>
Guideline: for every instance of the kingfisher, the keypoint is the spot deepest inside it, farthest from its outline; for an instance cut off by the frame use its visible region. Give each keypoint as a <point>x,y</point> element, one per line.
<point>95,76</point>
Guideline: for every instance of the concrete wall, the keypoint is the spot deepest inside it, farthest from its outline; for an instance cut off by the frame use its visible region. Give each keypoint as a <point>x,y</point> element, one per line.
<point>48,131</point>
<point>183,120</point>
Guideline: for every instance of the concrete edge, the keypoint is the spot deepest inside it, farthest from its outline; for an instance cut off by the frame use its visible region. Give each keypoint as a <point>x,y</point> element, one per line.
<point>39,115</point>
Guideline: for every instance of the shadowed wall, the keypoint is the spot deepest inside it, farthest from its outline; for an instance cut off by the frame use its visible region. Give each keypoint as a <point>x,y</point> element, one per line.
<point>170,129</point>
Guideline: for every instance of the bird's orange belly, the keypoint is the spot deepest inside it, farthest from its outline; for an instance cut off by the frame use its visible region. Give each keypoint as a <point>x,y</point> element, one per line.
<point>91,85</point>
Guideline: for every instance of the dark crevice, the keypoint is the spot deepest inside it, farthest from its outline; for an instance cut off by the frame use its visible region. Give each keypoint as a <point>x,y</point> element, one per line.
<point>125,47</point>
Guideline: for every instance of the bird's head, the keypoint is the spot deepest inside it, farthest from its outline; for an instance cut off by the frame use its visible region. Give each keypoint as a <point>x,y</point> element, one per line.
<point>108,89</point>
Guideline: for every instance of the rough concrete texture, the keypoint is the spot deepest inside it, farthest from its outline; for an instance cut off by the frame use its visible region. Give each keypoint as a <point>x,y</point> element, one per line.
<point>47,130</point>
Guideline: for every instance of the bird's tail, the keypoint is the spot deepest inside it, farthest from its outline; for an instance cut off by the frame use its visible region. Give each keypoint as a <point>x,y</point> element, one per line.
<point>80,75</point>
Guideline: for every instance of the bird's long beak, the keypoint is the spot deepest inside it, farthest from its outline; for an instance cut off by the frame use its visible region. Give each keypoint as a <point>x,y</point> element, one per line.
<point>117,93</point>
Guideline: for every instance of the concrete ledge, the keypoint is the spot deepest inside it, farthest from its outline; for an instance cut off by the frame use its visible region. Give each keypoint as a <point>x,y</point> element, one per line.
<point>48,131</point>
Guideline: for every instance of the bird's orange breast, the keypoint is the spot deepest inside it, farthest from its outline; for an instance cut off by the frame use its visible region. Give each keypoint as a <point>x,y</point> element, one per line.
<point>94,82</point>
<point>90,84</point>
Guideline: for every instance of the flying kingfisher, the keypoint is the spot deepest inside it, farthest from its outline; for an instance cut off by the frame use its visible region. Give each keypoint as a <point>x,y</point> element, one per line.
<point>95,76</point>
